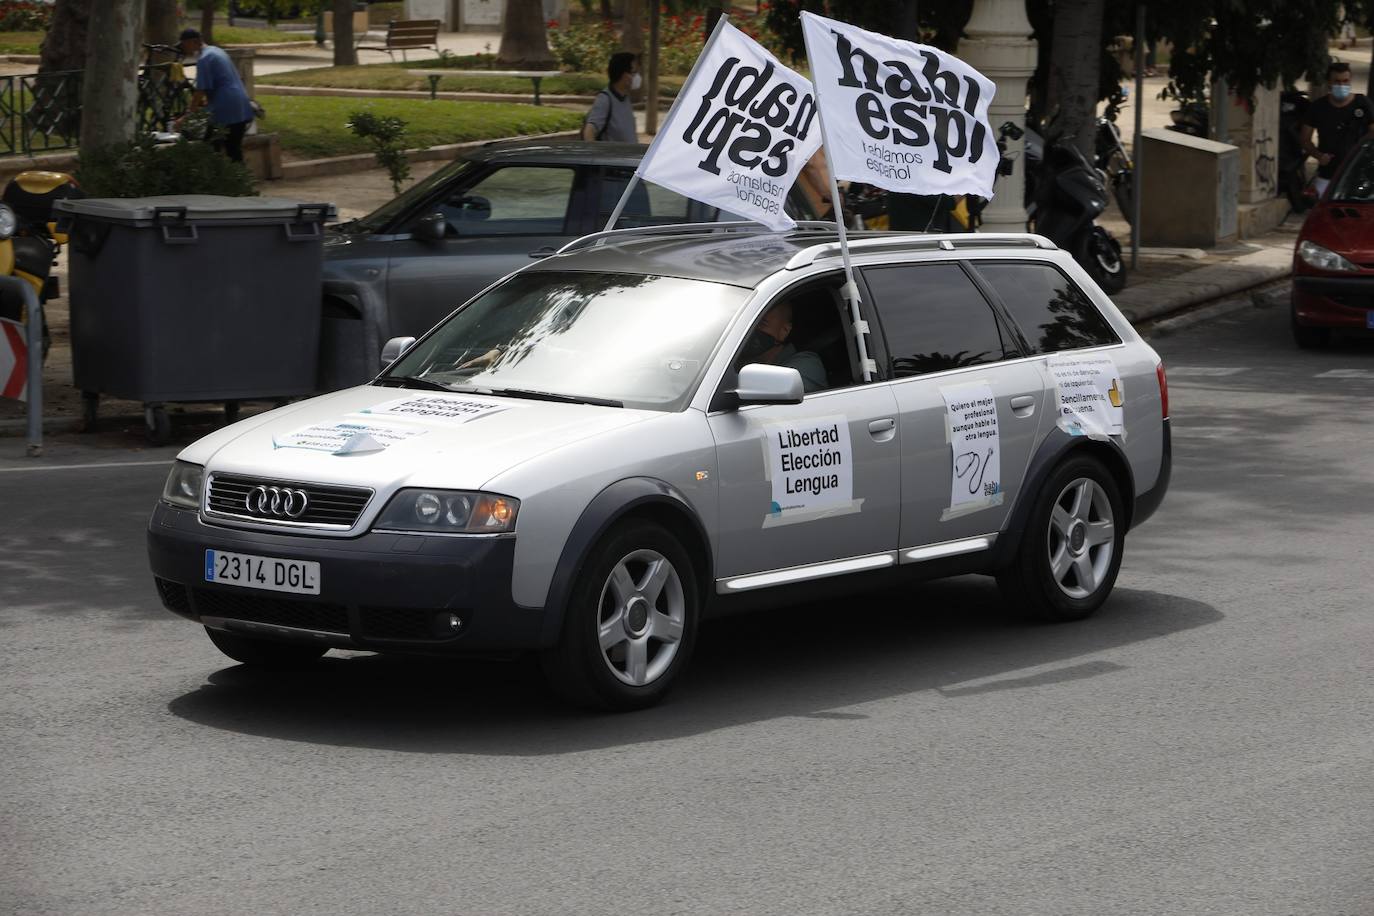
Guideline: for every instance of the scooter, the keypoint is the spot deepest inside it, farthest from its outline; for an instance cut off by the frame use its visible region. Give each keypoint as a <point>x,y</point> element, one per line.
<point>1111,157</point>
<point>29,240</point>
<point>1191,118</point>
<point>1065,194</point>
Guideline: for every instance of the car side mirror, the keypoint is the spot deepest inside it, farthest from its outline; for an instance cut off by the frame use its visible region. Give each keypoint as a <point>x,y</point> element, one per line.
<point>431,228</point>
<point>394,349</point>
<point>764,384</point>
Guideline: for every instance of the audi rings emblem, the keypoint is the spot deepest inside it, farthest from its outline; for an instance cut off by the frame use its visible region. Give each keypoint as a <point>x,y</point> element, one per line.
<point>279,501</point>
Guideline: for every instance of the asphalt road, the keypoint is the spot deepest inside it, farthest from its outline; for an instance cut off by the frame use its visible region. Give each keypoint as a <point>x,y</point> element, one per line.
<point>1200,746</point>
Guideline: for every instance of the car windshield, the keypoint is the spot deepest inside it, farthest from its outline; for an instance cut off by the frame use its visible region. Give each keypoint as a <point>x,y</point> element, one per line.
<point>627,339</point>
<point>1357,181</point>
<point>379,219</point>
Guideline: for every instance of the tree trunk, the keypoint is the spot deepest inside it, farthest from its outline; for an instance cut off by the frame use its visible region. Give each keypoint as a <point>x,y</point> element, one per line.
<point>345,55</point>
<point>109,103</point>
<point>524,41</point>
<point>161,26</point>
<point>606,14</point>
<point>64,47</point>
<point>207,20</point>
<point>632,35</point>
<point>1074,62</point>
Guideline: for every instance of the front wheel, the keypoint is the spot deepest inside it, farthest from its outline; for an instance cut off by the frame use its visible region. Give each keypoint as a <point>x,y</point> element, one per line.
<point>264,653</point>
<point>1100,255</point>
<point>1069,555</point>
<point>630,624</point>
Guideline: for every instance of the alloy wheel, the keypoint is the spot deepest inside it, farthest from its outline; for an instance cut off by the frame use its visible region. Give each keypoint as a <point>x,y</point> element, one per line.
<point>1082,538</point>
<point>641,618</point>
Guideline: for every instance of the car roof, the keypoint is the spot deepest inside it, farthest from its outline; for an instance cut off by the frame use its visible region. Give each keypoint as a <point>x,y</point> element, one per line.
<point>747,254</point>
<point>568,152</point>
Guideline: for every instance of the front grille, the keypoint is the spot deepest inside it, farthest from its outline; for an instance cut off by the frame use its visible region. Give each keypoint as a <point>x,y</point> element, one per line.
<point>173,595</point>
<point>336,507</point>
<point>400,623</point>
<point>282,612</point>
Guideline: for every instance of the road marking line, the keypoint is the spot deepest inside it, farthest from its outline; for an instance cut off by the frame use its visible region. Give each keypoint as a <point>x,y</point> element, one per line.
<point>1179,371</point>
<point>85,467</point>
<point>1346,373</point>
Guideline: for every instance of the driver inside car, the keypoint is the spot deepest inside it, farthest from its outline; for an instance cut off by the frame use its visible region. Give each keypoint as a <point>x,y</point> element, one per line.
<point>768,344</point>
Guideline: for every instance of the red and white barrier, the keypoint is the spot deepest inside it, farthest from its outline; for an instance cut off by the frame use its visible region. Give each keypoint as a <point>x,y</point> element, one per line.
<point>14,361</point>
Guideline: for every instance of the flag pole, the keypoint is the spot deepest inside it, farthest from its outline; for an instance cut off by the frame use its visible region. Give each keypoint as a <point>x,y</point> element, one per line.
<point>634,179</point>
<point>851,289</point>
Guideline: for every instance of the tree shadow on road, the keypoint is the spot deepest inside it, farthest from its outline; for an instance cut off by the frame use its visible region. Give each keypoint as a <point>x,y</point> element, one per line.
<point>807,660</point>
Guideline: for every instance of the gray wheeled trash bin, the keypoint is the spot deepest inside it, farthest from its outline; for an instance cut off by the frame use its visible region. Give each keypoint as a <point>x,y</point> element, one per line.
<point>194,298</point>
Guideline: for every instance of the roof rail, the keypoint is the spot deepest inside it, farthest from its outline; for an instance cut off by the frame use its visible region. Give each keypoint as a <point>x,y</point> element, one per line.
<point>920,242</point>
<point>610,236</point>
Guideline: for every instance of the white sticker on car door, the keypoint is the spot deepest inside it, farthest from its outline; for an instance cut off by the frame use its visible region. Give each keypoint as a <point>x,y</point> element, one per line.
<point>811,468</point>
<point>1089,396</point>
<point>975,449</point>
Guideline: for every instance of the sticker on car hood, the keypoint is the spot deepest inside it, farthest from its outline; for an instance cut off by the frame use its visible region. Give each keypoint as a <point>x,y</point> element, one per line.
<point>436,407</point>
<point>345,438</point>
<point>1089,396</point>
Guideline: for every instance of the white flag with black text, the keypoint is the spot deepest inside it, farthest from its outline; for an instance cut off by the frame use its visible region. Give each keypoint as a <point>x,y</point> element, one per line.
<point>740,132</point>
<point>900,115</point>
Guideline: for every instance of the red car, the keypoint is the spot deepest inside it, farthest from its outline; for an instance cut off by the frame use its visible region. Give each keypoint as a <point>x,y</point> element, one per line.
<point>1333,264</point>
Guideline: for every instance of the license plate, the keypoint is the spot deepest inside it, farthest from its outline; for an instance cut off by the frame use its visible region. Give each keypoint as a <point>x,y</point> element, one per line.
<point>300,577</point>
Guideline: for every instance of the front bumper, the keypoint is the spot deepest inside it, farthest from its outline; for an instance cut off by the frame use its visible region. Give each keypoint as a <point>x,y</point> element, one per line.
<point>1333,302</point>
<point>381,592</point>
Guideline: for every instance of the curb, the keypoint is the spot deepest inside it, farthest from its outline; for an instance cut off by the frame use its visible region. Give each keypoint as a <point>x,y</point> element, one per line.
<point>1161,297</point>
<point>524,98</point>
<point>361,162</point>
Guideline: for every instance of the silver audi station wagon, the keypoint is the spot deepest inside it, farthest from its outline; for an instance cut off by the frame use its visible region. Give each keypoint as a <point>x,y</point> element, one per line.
<point>656,425</point>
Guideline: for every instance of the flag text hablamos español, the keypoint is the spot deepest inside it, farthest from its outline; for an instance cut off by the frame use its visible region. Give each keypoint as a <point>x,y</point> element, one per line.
<point>746,131</point>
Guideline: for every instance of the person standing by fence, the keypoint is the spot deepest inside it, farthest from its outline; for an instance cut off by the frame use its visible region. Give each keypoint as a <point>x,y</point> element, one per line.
<point>218,85</point>
<point>612,117</point>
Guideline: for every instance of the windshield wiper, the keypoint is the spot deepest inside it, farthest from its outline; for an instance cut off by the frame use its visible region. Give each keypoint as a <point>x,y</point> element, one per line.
<point>544,396</point>
<point>410,381</point>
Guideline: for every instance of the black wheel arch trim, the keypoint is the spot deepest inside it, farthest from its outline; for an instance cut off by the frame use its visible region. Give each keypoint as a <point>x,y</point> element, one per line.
<point>606,508</point>
<point>1058,446</point>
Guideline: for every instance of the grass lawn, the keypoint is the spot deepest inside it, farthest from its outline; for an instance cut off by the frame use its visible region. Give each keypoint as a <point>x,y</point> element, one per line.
<point>314,126</point>
<point>20,42</point>
<point>394,76</point>
<point>28,42</point>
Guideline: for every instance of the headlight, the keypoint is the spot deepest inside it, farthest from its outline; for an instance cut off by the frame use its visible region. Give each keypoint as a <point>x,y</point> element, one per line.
<point>183,485</point>
<point>449,511</point>
<point>1314,255</point>
<point>8,222</point>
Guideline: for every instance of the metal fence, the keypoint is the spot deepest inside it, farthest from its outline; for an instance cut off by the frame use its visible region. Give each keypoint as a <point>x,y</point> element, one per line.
<point>42,111</point>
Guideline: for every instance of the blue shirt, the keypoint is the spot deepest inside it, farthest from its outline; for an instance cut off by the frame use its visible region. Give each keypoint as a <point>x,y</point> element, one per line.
<point>219,80</point>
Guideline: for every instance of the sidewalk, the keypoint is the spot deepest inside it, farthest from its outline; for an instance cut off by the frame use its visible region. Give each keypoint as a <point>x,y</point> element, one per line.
<point>1167,282</point>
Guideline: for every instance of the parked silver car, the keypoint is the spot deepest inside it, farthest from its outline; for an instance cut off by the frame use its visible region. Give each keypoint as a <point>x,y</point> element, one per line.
<point>657,425</point>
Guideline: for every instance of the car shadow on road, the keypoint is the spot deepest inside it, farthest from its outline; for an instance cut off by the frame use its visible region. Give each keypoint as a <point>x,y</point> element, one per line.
<point>808,660</point>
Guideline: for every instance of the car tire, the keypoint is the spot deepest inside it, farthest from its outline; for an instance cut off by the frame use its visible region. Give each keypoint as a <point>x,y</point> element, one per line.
<point>630,623</point>
<point>264,653</point>
<point>1310,338</point>
<point>1069,555</point>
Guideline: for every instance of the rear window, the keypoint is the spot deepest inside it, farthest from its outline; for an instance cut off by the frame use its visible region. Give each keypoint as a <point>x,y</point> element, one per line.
<point>1050,310</point>
<point>934,318</point>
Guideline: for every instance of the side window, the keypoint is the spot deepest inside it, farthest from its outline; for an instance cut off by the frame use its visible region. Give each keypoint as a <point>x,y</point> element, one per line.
<point>1051,311</point>
<point>649,205</point>
<point>934,318</point>
<point>515,200</point>
<point>804,328</point>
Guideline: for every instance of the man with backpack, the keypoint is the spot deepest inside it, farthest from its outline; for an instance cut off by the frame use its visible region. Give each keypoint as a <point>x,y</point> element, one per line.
<point>612,117</point>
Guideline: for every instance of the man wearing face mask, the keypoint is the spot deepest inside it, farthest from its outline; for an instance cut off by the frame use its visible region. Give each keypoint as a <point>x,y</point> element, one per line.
<point>219,85</point>
<point>768,344</point>
<point>612,117</point>
<point>1341,119</point>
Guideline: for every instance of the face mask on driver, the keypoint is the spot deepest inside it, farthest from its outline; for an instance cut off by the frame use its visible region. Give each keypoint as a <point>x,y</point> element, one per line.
<point>635,83</point>
<point>1340,91</point>
<point>759,343</point>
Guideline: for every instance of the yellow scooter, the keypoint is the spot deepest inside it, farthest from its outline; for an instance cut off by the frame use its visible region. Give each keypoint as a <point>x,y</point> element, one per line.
<point>29,240</point>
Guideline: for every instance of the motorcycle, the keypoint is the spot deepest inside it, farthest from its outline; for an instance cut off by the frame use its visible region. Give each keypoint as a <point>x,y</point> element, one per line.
<point>29,240</point>
<point>1191,118</point>
<point>1111,158</point>
<point>1065,195</point>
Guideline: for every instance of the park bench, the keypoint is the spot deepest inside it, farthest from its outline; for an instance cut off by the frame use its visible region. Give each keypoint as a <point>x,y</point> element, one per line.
<point>407,34</point>
<point>534,76</point>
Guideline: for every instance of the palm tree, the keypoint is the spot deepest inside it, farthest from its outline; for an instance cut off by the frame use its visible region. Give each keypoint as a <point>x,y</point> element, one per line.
<point>524,42</point>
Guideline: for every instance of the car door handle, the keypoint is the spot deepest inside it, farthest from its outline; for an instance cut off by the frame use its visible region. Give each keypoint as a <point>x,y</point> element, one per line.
<point>1023,406</point>
<point>544,252</point>
<point>882,430</point>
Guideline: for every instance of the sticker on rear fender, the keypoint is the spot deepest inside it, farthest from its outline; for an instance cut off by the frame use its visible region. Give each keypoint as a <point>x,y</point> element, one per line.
<point>1089,395</point>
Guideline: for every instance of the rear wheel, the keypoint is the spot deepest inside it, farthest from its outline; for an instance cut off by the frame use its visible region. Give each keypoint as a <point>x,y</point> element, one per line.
<point>264,653</point>
<point>1068,558</point>
<point>630,624</point>
<point>1100,255</point>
